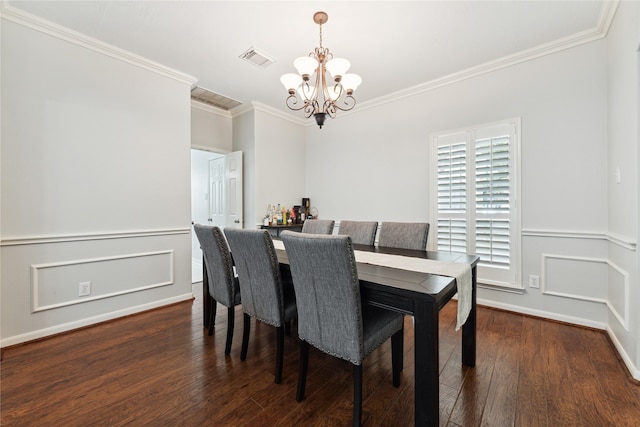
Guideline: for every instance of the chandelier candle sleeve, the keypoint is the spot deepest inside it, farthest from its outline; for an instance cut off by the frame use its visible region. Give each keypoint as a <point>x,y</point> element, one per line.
<point>312,91</point>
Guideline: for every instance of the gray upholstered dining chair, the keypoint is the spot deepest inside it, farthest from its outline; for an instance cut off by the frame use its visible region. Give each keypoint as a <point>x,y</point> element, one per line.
<point>263,296</point>
<point>223,284</point>
<point>331,316</point>
<point>405,235</point>
<point>361,232</point>
<point>318,226</point>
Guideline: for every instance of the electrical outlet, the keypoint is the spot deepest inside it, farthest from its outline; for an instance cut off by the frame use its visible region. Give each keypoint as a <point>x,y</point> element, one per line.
<point>84,289</point>
<point>534,281</point>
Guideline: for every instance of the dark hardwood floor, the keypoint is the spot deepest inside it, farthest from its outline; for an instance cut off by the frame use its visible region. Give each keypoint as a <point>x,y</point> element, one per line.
<point>161,368</point>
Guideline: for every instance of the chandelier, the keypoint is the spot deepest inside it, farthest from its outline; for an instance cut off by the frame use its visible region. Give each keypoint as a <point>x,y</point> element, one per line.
<point>312,91</point>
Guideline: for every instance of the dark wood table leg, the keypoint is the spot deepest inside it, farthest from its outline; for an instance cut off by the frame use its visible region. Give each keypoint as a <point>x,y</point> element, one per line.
<point>469,328</point>
<point>427,386</point>
<point>206,300</point>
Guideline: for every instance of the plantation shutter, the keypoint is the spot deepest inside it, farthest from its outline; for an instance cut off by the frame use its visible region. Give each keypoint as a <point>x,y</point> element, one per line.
<point>475,198</point>
<point>452,194</point>
<point>493,199</point>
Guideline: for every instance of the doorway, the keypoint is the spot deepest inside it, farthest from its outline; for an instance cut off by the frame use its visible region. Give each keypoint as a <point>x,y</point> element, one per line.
<point>200,203</point>
<point>216,196</point>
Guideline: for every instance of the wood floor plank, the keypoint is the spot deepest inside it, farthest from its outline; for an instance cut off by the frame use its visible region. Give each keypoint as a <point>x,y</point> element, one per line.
<point>474,391</point>
<point>162,368</point>
<point>532,386</point>
<point>561,400</point>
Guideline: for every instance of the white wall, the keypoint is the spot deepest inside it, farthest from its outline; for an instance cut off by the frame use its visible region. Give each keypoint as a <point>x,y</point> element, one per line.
<point>105,166</point>
<point>280,165</point>
<point>274,160</point>
<point>373,164</point>
<point>579,227</point>
<point>211,133</point>
<point>211,128</point>
<point>95,171</point>
<point>623,101</point>
<point>244,140</point>
<point>383,151</point>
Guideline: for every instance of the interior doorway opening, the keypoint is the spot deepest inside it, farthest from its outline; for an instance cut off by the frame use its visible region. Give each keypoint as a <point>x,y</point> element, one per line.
<point>200,203</point>
<point>216,196</point>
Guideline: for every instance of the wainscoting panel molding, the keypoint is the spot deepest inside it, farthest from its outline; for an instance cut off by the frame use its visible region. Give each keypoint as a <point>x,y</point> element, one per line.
<point>589,269</point>
<point>39,240</point>
<point>55,285</point>
<point>622,241</point>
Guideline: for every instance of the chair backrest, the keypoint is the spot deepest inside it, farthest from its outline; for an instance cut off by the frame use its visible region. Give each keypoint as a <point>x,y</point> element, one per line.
<point>405,235</point>
<point>361,232</point>
<point>318,226</point>
<point>258,271</point>
<point>218,263</point>
<point>325,279</point>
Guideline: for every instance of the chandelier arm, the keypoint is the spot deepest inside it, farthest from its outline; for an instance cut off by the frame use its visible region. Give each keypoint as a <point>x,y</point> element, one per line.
<point>314,95</point>
<point>348,102</point>
<point>310,108</point>
<point>329,108</point>
<point>292,101</point>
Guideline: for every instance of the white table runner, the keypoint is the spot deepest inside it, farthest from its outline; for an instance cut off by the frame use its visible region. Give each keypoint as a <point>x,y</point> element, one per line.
<point>461,272</point>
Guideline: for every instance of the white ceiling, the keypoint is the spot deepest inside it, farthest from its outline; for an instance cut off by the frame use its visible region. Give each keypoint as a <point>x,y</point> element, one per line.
<point>393,45</point>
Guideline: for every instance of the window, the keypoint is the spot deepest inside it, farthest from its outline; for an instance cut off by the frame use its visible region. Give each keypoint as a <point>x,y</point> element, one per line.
<point>474,194</point>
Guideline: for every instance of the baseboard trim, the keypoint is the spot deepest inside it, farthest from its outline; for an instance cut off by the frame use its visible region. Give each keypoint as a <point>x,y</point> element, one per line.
<point>89,321</point>
<point>544,314</point>
<point>633,370</point>
<point>626,360</point>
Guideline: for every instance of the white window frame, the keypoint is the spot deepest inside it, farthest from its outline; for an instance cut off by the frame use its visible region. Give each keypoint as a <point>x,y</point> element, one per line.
<point>500,276</point>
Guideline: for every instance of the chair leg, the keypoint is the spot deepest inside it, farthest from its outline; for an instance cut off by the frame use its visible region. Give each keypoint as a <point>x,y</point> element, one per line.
<point>279,353</point>
<point>245,336</point>
<point>231,315</point>
<point>401,345</point>
<point>397,344</point>
<point>212,315</point>
<point>302,373</point>
<point>357,395</point>
<point>287,328</point>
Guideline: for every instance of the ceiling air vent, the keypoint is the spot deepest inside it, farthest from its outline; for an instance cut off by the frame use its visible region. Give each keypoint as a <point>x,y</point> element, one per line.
<point>257,58</point>
<point>206,96</point>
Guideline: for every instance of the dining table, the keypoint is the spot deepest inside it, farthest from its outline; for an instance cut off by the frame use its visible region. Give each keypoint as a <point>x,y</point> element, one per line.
<point>416,293</point>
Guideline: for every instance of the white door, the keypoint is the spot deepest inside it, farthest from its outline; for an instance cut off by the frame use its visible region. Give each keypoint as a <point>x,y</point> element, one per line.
<point>233,189</point>
<point>216,192</point>
<point>216,196</point>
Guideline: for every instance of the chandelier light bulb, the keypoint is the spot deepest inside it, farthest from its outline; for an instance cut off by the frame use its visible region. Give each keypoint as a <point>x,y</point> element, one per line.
<point>338,67</point>
<point>291,82</point>
<point>350,82</point>
<point>306,66</point>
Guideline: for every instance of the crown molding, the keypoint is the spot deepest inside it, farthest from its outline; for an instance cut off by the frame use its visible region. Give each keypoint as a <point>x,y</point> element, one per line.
<point>258,106</point>
<point>607,13</point>
<point>598,32</point>
<point>17,16</point>
<point>210,109</point>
